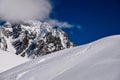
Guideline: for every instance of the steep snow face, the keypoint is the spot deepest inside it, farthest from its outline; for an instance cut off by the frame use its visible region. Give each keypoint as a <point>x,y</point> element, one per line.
<point>99,60</point>
<point>32,39</point>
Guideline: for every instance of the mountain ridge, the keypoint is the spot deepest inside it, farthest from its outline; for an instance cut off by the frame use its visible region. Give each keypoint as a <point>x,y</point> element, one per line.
<point>33,38</point>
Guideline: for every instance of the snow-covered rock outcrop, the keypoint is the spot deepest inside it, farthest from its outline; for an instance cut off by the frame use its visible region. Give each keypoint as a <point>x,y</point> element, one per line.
<point>32,39</point>
<point>99,60</point>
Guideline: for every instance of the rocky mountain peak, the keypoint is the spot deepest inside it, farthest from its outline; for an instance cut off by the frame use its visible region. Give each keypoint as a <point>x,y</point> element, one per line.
<point>33,38</point>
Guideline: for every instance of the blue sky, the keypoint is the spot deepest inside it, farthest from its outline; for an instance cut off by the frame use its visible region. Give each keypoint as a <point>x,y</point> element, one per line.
<point>97,18</point>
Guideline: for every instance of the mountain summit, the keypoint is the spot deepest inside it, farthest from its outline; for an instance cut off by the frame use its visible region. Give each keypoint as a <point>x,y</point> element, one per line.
<point>32,39</point>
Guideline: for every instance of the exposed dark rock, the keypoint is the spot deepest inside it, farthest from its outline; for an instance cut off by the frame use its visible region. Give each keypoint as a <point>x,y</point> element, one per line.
<point>34,39</point>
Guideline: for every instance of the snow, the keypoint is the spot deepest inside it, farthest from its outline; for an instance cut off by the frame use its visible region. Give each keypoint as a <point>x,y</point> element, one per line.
<point>99,60</point>
<point>9,60</point>
<point>62,40</point>
<point>44,28</point>
<point>9,45</point>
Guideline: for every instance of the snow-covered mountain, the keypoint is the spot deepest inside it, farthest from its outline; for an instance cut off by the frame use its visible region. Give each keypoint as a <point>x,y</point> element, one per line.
<point>32,38</point>
<point>99,60</point>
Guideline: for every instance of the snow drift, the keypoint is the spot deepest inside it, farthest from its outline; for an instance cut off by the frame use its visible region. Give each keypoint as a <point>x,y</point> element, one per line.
<point>99,60</point>
<point>9,60</point>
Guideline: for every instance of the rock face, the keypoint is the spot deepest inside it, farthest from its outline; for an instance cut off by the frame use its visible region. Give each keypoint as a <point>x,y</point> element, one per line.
<point>33,38</point>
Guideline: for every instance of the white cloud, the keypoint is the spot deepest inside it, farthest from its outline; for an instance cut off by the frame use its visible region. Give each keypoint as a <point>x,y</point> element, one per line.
<point>17,10</point>
<point>23,10</point>
<point>57,23</point>
<point>60,24</point>
<point>79,27</point>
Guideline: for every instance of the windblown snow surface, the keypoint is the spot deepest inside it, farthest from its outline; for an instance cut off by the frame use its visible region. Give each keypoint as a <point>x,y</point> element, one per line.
<point>99,60</point>
<point>9,60</point>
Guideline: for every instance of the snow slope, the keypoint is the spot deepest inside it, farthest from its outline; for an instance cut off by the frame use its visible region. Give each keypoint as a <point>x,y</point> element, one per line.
<point>9,60</point>
<point>99,60</point>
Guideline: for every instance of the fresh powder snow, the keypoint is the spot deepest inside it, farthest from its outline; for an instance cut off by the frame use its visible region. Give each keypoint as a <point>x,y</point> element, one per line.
<point>9,60</point>
<point>99,60</point>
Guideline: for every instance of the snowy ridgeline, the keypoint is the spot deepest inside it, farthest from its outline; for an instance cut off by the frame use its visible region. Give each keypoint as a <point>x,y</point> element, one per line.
<point>32,39</point>
<point>99,60</point>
